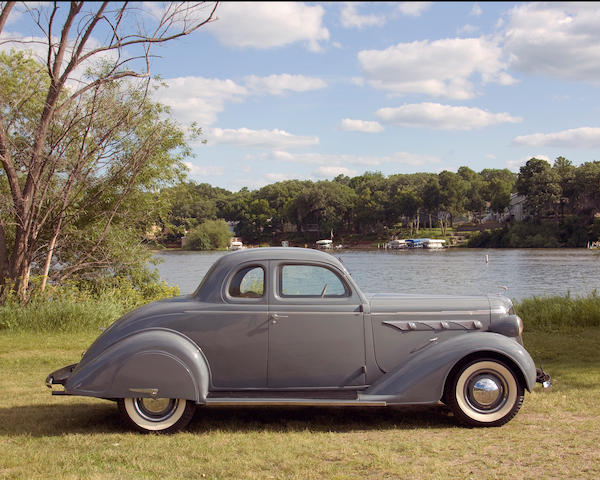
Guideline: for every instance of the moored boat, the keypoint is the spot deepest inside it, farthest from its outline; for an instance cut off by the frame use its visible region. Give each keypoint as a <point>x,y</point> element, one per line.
<point>433,243</point>
<point>324,243</point>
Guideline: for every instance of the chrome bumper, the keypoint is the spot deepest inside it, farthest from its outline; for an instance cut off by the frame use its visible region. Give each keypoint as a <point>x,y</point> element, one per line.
<point>543,378</point>
<point>60,377</point>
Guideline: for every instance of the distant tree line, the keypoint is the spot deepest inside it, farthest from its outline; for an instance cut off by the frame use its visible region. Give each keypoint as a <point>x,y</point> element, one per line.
<point>375,203</point>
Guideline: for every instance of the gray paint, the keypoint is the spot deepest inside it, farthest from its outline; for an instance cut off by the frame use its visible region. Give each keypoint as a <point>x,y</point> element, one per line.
<point>393,349</point>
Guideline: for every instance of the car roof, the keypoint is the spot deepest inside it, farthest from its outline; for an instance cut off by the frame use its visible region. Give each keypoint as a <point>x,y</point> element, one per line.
<point>210,287</point>
<point>279,253</point>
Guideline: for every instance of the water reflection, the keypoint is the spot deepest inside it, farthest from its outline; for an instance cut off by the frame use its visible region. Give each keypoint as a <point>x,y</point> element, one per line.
<point>526,272</point>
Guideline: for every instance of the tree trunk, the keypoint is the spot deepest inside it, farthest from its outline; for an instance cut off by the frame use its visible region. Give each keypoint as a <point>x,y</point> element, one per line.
<point>48,262</point>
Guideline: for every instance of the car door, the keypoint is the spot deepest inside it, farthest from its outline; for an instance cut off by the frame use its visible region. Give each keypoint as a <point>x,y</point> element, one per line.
<point>234,337</point>
<point>316,328</point>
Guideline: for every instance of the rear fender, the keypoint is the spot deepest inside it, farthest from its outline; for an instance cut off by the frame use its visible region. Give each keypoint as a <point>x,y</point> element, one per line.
<point>157,363</point>
<point>422,378</point>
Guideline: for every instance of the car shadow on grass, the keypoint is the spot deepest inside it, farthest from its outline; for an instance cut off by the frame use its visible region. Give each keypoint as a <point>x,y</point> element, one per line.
<point>103,417</point>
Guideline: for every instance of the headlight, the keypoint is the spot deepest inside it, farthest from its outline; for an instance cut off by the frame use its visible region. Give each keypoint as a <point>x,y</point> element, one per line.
<point>510,325</point>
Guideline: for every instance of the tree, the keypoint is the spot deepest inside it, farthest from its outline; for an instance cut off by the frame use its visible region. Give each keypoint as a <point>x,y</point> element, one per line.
<point>453,189</point>
<point>499,185</point>
<point>82,119</point>
<point>565,172</point>
<point>210,235</point>
<point>586,189</point>
<point>475,185</point>
<point>432,199</point>
<point>372,194</point>
<point>540,185</point>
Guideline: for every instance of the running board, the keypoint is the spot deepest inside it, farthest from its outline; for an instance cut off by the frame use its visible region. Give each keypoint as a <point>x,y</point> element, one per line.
<point>318,402</point>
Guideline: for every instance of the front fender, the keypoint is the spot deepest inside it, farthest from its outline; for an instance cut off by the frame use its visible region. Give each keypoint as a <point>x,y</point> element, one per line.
<point>422,378</point>
<point>156,362</point>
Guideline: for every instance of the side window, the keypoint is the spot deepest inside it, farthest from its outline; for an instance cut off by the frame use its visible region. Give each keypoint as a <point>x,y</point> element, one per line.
<point>310,281</point>
<point>248,283</point>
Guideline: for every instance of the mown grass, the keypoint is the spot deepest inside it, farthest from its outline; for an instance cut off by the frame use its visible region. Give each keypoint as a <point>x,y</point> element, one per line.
<point>556,434</point>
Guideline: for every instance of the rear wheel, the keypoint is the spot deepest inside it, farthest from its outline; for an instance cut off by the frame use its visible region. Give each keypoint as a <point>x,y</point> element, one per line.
<point>162,415</point>
<point>484,393</point>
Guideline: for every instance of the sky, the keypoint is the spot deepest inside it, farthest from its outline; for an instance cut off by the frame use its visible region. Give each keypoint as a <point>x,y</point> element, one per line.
<point>313,90</point>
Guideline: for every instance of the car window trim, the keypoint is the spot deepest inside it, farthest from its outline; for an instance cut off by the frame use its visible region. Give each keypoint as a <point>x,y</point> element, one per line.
<point>279,291</point>
<point>258,300</point>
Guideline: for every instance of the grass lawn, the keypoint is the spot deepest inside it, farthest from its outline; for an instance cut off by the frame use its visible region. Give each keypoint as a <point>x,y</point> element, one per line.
<point>556,434</point>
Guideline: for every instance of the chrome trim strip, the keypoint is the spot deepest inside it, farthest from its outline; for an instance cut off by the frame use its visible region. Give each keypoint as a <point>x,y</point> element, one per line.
<point>434,325</point>
<point>272,312</point>
<point>149,391</point>
<point>437,313</point>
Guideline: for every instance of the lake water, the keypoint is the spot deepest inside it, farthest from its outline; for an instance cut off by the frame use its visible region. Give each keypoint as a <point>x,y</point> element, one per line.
<point>526,272</point>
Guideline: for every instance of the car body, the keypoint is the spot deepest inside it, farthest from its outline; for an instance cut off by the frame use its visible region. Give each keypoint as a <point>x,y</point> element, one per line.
<point>289,326</point>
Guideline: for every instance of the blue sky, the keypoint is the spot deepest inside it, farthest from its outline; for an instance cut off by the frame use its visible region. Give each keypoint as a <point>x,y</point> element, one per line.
<point>312,90</point>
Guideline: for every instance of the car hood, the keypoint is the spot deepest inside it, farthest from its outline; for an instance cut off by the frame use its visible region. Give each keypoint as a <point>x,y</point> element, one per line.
<point>405,324</point>
<point>429,306</point>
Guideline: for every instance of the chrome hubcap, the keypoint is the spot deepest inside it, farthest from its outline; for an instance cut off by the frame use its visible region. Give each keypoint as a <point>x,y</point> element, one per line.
<point>486,392</point>
<point>155,409</point>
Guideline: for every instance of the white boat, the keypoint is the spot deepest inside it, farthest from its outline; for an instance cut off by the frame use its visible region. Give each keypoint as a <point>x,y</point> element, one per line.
<point>324,243</point>
<point>236,245</point>
<point>433,243</point>
<point>397,244</point>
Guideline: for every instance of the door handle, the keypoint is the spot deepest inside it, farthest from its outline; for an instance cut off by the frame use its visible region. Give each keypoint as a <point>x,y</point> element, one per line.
<point>276,316</point>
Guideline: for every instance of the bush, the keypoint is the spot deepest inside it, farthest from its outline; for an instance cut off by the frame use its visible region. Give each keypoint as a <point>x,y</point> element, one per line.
<point>210,235</point>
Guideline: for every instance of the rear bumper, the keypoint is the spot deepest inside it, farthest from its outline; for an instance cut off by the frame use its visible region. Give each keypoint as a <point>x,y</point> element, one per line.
<point>60,377</point>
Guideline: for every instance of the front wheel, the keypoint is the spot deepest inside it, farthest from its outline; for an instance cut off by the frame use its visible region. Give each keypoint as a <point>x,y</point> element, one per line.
<point>161,415</point>
<point>484,393</point>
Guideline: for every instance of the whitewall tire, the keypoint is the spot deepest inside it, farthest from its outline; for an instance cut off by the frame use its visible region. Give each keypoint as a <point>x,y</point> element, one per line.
<point>161,415</point>
<point>484,393</point>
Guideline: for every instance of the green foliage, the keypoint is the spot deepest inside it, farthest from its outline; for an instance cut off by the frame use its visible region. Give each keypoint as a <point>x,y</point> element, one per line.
<point>210,235</point>
<point>560,313</point>
<point>106,156</point>
<point>375,204</point>
<point>570,232</point>
<point>83,306</point>
<point>539,183</point>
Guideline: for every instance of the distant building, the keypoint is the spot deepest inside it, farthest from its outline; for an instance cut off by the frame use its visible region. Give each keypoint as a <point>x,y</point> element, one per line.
<point>516,209</point>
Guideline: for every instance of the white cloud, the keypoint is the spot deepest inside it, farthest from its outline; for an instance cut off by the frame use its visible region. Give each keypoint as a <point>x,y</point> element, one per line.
<point>515,165</point>
<point>280,84</point>
<point>413,9</point>
<point>362,161</point>
<point>442,117</point>
<point>204,170</point>
<point>584,137</point>
<point>350,17</point>
<point>360,126</point>
<point>199,99</point>
<point>274,139</point>
<point>555,39</point>
<point>441,68</point>
<point>467,29</point>
<point>277,177</point>
<point>333,171</point>
<point>269,24</point>
<point>476,11</point>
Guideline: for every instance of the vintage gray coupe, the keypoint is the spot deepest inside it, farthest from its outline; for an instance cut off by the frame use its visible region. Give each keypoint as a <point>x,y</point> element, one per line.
<point>289,326</point>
